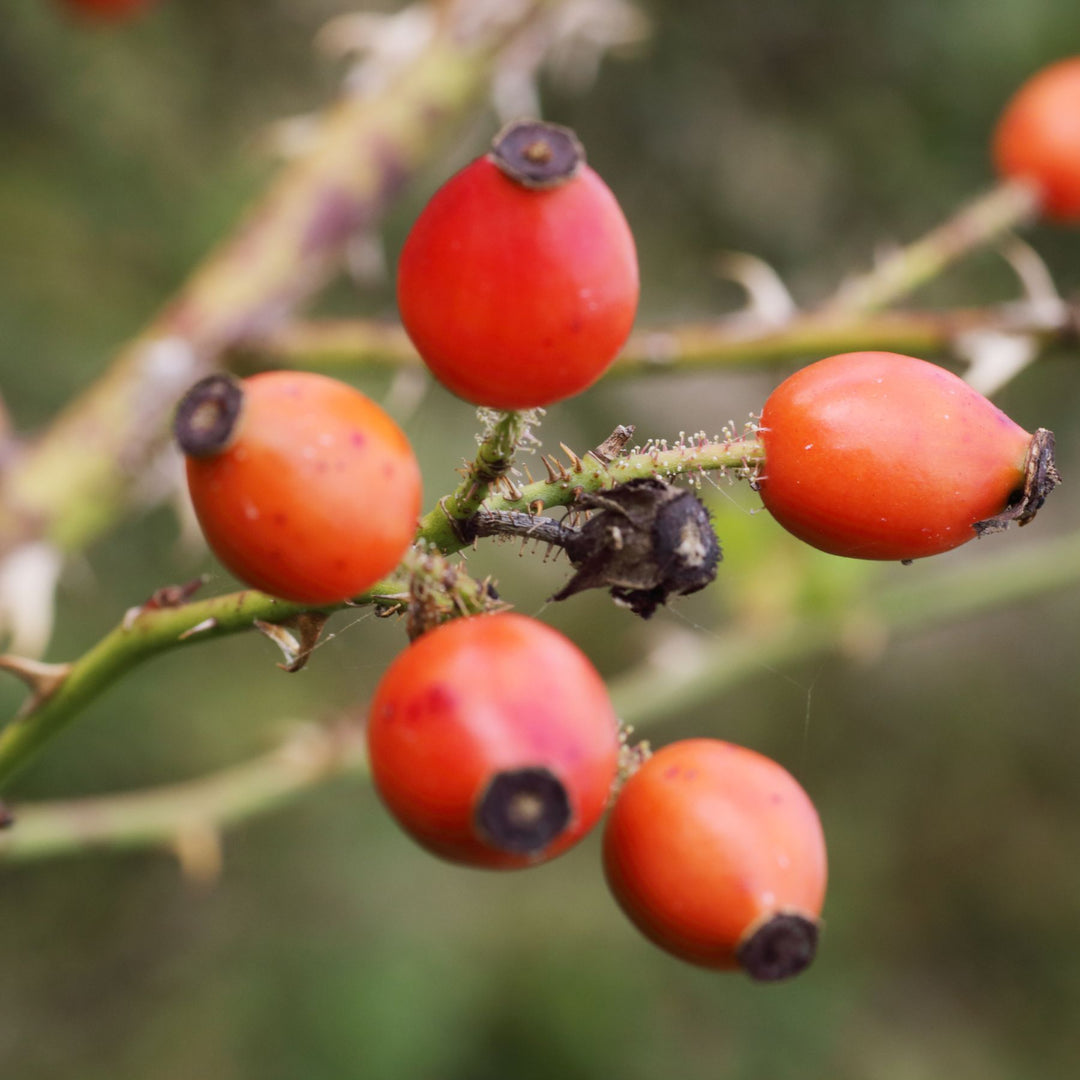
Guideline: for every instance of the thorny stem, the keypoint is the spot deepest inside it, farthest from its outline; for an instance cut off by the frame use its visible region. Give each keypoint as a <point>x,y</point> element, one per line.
<point>153,631</point>
<point>494,459</point>
<point>646,697</point>
<point>1009,205</point>
<point>589,473</point>
<point>193,811</point>
<point>850,321</point>
<point>732,341</point>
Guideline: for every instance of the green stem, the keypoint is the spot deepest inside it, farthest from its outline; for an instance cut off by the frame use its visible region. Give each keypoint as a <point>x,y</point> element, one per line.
<point>588,473</point>
<point>493,461</point>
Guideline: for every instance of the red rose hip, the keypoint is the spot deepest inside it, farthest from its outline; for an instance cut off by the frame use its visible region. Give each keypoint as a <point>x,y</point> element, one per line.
<point>518,282</point>
<point>716,854</point>
<point>493,742</point>
<point>303,486</point>
<point>875,455</point>
<point>1037,138</point>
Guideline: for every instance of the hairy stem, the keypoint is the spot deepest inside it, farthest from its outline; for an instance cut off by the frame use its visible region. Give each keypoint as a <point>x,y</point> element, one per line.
<point>493,461</point>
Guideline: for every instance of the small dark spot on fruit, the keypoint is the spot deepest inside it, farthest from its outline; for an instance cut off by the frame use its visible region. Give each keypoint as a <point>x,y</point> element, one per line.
<point>357,438</point>
<point>439,698</point>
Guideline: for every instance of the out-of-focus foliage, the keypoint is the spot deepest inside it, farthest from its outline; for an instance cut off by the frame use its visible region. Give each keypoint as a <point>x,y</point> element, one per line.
<point>805,131</point>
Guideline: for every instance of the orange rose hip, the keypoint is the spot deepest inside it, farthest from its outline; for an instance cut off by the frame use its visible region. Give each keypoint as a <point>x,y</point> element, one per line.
<point>304,488</point>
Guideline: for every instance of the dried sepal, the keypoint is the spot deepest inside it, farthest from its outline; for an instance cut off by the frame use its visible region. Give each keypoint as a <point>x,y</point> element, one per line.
<point>296,648</point>
<point>168,596</point>
<point>440,590</point>
<point>648,541</point>
<point>1040,478</point>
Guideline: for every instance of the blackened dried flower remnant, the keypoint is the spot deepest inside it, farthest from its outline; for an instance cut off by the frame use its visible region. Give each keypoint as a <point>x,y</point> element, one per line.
<point>647,541</point>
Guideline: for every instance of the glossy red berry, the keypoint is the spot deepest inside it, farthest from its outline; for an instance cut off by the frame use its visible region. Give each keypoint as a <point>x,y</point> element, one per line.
<point>1038,138</point>
<point>493,742</point>
<point>874,455</point>
<point>518,283</point>
<point>716,854</point>
<point>113,10</point>
<point>303,486</point>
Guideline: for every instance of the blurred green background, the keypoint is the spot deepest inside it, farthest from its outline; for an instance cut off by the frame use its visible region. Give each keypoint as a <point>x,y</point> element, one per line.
<point>944,765</point>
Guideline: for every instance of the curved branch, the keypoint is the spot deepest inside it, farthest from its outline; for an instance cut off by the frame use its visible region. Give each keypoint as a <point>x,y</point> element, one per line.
<point>188,816</point>
<point>645,697</point>
<point>731,341</point>
<point>983,221</point>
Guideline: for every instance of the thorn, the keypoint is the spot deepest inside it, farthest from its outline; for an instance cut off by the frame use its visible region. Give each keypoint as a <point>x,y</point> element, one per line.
<point>168,596</point>
<point>1035,278</point>
<point>309,624</point>
<point>994,358</point>
<point>198,628</point>
<point>614,444</point>
<point>575,461</point>
<point>528,475</point>
<point>552,475</point>
<point>770,302</point>
<point>42,679</point>
<point>198,849</point>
